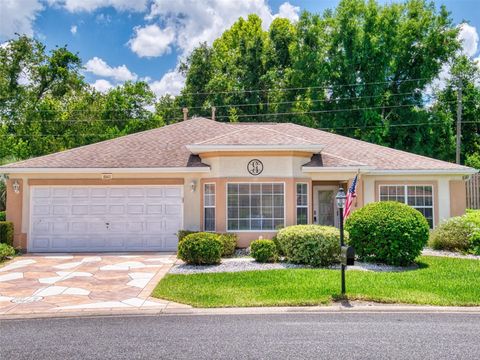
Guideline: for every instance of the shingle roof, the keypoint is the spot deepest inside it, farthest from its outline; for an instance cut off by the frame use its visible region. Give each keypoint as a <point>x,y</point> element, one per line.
<point>165,147</point>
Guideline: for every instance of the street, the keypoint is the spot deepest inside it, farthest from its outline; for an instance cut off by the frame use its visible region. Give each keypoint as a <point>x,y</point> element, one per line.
<point>280,336</point>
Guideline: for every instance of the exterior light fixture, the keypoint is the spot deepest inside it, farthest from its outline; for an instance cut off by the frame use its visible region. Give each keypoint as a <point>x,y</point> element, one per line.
<point>193,186</point>
<point>347,253</point>
<point>16,187</point>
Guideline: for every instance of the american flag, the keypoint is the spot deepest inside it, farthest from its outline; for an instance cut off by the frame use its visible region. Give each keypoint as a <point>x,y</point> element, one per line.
<point>351,195</point>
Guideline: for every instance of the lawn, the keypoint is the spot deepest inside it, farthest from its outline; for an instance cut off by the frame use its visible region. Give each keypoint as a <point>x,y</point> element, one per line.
<point>438,281</point>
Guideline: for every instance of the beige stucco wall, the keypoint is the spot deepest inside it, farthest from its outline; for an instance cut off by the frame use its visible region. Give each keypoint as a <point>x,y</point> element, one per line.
<point>448,188</point>
<point>442,189</point>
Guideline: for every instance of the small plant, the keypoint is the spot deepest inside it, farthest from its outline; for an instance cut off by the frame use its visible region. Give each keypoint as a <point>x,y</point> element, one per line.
<point>310,244</point>
<point>3,216</point>
<point>6,232</point>
<point>264,251</point>
<point>387,232</point>
<point>6,251</point>
<point>201,249</point>
<point>229,241</point>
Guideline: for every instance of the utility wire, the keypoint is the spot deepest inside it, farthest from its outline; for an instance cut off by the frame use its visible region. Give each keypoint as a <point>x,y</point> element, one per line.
<point>320,128</point>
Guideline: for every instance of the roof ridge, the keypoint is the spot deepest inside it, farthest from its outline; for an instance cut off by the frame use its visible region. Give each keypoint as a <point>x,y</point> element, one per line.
<point>219,136</point>
<point>343,158</point>
<point>380,146</point>
<point>292,136</point>
<point>100,142</point>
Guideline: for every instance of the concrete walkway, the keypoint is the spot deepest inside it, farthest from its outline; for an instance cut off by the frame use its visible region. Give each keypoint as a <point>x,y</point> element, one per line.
<point>65,283</point>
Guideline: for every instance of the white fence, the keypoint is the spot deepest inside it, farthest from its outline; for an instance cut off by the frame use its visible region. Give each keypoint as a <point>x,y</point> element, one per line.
<point>473,192</point>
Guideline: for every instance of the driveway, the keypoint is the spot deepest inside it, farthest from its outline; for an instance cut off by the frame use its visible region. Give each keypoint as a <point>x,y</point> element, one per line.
<point>49,283</point>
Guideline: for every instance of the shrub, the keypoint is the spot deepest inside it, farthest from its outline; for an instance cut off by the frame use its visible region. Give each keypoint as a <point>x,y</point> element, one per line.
<point>6,251</point>
<point>3,216</point>
<point>201,249</point>
<point>229,242</point>
<point>263,250</point>
<point>387,232</point>
<point>461,233</point>
<point>453,235</point>
<point>310,244</point>
<point>6,232</point>
<point>182,233</point>
<point>278,245</point>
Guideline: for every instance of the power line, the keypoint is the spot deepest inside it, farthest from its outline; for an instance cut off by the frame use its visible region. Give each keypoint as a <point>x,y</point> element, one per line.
<point>320,128</point>
<point>302,88</point>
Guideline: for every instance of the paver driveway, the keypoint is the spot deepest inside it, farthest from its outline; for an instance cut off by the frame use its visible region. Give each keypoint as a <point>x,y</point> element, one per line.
<point>82,282</point>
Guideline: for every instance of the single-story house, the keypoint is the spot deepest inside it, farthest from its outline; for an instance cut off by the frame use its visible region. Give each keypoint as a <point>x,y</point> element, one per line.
<point>135,192</point>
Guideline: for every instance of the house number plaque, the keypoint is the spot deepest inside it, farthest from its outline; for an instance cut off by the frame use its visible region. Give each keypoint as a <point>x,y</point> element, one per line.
<point>255,167</point>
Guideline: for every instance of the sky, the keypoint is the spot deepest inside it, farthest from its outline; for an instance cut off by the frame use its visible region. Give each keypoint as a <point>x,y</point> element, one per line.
<point>121,40</point>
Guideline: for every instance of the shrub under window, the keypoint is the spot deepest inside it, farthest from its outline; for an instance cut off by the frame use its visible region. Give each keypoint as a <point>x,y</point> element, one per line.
<point>201,249</point>
<point>310,244</point>
<point>264,251</point>
<point>387,232</point>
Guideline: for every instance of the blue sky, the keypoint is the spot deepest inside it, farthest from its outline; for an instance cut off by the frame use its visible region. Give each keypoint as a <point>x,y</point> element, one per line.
<point>121,40</point>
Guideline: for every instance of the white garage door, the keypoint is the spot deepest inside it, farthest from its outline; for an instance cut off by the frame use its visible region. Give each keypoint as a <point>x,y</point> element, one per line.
<point>105,218</point>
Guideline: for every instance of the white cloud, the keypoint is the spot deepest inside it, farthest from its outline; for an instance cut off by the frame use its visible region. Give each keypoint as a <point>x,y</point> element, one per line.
<point>18,17</point>
<point>468,35</point>
<point>151,41</point>
<point>171,83</point>
<point>91,5</point>
<point>99,67</point>
<point>187,23</point>
<point>73,29</point>
<point>102,85</point>
<point>288,11</point>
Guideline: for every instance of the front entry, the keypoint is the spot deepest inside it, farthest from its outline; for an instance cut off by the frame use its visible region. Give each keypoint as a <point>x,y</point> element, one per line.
<point>325,211</point>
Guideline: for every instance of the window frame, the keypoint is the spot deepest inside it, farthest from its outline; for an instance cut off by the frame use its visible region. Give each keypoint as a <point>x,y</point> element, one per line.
<point>214,206</point>
<point>405,189</point>
<point>250,183</point>
<point>307,206</point>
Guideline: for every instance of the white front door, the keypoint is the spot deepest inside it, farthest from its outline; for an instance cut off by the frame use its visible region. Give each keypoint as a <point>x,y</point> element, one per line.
<point>105,218</point>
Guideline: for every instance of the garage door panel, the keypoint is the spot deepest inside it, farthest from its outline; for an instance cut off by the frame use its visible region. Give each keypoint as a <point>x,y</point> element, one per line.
<point>106,218</point>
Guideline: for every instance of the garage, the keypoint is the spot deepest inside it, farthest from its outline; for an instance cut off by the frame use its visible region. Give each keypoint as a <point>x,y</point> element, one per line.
<point>105,218</point>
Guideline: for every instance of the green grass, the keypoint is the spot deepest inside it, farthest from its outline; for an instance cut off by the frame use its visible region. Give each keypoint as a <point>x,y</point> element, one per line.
<point>438,281</point>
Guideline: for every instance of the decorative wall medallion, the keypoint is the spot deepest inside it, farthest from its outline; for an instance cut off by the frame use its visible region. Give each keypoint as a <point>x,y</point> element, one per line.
<point>255,167</point>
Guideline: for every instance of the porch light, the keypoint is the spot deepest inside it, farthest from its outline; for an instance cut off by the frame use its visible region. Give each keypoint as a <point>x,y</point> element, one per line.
<point>341,198</point>
<point>193,186</point>
<point>16,187</point>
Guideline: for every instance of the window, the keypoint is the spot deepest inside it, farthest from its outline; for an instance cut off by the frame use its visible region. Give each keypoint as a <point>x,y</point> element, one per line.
<point>419,197</point>
<point>255,206</point>
<point>209,207</point>
<point>302,203</point>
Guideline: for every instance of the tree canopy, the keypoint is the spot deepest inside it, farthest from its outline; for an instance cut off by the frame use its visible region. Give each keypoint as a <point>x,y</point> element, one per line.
<point>363,70</point>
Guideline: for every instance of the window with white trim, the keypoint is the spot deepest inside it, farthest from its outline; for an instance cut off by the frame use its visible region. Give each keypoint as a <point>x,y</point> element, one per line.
<point>255,206</point>
<point>419,197</point>
<point>209,207</point>
<point>302,203</point>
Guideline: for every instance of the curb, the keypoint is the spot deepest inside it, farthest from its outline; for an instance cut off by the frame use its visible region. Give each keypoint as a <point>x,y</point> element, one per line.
<point>332,309</point>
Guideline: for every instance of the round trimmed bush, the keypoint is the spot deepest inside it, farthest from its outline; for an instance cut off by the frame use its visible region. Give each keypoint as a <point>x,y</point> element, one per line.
<point>387,232</point>
<point>229,241</point>
<point>263,250</point>
<point>310,244</point>
<point>200,249</point>
<point>3,215</point>
<point>278,245</point>
<point>6,251</point>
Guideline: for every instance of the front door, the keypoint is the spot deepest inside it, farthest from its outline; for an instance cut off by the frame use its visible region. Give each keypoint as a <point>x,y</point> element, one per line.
<point>325,211</point>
